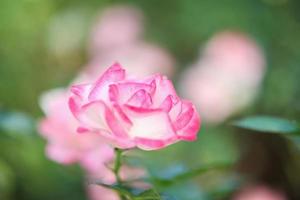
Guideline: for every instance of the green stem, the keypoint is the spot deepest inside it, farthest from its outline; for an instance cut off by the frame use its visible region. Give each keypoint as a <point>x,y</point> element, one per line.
<point>118,164</point>
<point>116,170</point>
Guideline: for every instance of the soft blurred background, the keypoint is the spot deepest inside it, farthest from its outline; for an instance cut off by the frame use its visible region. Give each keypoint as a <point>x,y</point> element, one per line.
<point>232,58</point>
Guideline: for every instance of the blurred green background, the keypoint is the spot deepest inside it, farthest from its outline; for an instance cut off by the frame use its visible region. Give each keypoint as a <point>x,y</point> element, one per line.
<point>27,68</point>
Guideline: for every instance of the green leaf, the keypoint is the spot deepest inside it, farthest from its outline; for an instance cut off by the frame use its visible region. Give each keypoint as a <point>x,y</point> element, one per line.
<point>150,194</point>
<point>133,193</point>
<point>187,174</point>
<point>267,124</point>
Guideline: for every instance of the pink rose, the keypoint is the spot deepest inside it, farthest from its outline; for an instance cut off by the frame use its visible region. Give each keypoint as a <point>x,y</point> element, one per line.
<point>65,145</point>
<point>144,113</point>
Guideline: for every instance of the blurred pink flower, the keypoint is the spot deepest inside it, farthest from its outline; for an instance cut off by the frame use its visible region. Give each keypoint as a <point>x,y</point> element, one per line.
<point>96,192</point>
<point>226,78</point>
<point>144,113</point>
<point>236,53</point>
<point>140,59</point>
<point>118,37</point>
<point>259,193</point>
<point>116,27</point>
<point>65,145</point>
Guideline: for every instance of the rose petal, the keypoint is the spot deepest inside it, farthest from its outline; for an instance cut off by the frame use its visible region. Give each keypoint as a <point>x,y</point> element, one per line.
<point>100,91</point>
<point>113,93</point>
<point>122,114</point>
<point>115,125</point>
<point>135,111</point>
<point>157,123</point>
<point>96,114</point>
<point>127,89</point>
<point>81,90</point>
<point>91,114</point>
<point>140,99</point>
<point>167,104</point>
<point>175,111</point>
<point>119,142</point>
<point>189,132</point>
<point>185,115</point>
<point>152,144</point>
<point>164,88</point>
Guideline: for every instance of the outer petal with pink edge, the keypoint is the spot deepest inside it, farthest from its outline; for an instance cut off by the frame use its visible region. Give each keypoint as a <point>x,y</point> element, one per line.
<point>159,132</point>
<point>164,88</point>
<point>91,114</point>
<point>188,122</point>
<point>100,91</point>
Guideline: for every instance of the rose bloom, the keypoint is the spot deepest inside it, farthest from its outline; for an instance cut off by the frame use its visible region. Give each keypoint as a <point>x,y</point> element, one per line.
<point>259,193</point>
<point>226,78</point>
<point>128,112</point>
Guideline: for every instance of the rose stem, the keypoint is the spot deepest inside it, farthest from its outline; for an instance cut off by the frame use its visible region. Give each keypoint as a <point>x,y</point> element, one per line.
<point>116,169</point>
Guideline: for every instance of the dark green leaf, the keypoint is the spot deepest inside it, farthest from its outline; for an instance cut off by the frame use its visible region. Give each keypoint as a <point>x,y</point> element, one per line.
<point>134,194</point>
<point>150,194</point>
<point>267,124</point>
<point>187,174</point>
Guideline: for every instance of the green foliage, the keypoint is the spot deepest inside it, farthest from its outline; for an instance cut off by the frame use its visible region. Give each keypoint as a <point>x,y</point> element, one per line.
<point>148,195</point>
<point>187,174</point>
<point>16,124</point>
<point>6,181</point>
<point>129,193</point>
<point>268,124</point>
